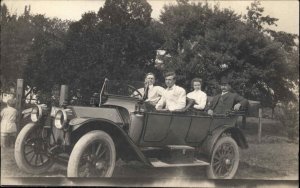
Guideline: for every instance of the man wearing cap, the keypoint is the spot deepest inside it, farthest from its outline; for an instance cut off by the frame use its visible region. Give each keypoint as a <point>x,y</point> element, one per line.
<point>226,101</point>
<point>174,97</point>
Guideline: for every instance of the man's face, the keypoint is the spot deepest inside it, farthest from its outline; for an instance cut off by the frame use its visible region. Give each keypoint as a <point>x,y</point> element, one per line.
<point>150,79</point>
<point>197,86</point>
<point>225,87</point>
<point>170,81</point>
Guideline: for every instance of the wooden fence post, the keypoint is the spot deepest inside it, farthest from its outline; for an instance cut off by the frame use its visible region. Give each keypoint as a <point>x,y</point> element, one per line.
<point>19,94</point>
<point>259,124</point>
<point>63,94</point>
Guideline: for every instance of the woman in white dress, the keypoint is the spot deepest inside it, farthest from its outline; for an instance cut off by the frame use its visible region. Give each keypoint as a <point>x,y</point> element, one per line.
<point>199,96</point>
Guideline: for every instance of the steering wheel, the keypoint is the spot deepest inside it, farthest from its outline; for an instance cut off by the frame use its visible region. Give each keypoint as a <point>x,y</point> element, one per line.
<point>135,90</point>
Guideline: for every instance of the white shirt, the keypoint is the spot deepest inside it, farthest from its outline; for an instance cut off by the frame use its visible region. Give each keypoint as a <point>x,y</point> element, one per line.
<point>200,98</point>
<point>173,98</point>
<point>154,93</point>
<point>8,121</point>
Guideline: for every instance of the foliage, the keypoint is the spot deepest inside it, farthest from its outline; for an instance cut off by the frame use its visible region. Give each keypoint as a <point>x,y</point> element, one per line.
<point>210,43</point>
<point>46,53</point>
<point>121,39</point>
<point>255,17</point>
<point>119,42</point>
<point>30,47</point>
<point>288,114</point>
<point>15,42</point>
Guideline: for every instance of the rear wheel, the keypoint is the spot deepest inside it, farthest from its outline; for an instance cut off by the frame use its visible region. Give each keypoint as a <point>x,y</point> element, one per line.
<point>224,159</point>
<point>94,155</point>
<point>31,150</point>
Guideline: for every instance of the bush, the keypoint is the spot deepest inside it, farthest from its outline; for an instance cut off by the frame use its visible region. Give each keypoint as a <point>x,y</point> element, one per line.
<point>288,115</point>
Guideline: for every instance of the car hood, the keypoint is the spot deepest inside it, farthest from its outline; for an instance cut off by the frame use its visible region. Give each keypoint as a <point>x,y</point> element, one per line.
<point>110,114</point>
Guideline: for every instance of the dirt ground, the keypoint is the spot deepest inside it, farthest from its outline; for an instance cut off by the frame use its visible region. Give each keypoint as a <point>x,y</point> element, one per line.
<point>275,158</point>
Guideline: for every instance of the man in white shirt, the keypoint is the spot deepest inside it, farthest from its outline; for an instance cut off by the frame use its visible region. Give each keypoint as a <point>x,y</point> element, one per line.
<point>199,96</point>
<point>174,97</point>
<point>153,93</point>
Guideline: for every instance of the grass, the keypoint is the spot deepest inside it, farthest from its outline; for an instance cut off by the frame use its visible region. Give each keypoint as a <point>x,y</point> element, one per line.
<point>275,156</point>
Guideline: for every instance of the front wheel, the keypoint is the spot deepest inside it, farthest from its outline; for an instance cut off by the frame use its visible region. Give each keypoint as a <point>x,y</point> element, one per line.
<point>31,150</point>
<point>224,159</point>
<point>94,155</point>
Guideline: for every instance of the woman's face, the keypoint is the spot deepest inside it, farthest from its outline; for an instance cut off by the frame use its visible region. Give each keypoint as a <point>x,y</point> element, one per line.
<point>197,86</point>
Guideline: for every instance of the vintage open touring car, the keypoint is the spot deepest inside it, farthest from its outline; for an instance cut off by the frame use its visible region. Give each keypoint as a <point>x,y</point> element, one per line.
<point>118,125</point>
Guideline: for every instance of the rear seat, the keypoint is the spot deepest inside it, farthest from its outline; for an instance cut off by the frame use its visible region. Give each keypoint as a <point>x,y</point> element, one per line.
<point>189,103</point>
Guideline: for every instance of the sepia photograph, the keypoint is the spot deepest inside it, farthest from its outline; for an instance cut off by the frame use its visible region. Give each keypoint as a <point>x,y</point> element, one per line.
<point>150,93</point>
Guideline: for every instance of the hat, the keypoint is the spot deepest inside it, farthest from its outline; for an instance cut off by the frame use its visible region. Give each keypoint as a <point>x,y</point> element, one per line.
<point>224,80</point>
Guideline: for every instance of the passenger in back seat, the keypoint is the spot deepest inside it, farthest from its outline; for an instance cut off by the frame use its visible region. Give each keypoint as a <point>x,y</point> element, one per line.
<point>199,96</point>
<point>174,97</point>
<point>227,100</point>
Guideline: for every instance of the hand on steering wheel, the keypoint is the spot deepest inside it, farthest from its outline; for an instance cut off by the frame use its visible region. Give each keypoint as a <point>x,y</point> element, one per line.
<point>135,92</point>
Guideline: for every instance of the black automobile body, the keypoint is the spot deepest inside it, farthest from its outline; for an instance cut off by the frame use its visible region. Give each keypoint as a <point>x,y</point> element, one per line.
<point>118,125</point>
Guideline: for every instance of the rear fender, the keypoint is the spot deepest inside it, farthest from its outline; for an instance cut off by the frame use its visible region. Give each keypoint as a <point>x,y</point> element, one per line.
<point>125,147</point>
<point>234,132</point>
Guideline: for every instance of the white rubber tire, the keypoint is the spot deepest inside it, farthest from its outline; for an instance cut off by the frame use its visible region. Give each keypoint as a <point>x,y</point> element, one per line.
<point>81,146</point>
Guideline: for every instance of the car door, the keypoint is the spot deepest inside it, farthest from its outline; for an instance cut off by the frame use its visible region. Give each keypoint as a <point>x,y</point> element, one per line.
<point>173,128</point>
<point>199,128</point>
<point>156,126</point>
<point>170,128</point>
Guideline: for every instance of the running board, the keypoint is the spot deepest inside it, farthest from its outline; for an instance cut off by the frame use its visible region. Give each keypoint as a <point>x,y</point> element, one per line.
<point>170,147</point>
<point>157,163</point>
<point>179,147</point>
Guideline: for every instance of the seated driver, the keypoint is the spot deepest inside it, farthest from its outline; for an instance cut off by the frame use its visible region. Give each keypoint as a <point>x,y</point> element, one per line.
<point>150,93</point>
<point>174,97</point>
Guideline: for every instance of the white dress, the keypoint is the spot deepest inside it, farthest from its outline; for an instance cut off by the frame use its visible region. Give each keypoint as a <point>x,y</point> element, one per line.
<point>8,120</point>
<point>200,98</point>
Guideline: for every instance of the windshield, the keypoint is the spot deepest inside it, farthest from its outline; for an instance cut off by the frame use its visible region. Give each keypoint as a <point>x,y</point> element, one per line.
<point>122,87</point>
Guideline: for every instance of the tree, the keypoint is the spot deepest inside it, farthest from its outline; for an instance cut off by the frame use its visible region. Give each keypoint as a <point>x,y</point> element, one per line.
<point>131,43</point>
<point>287,67</point>
<point>27,42</point>
<point>15,42</point>
<point>210,43</point>
<point>126,12</point>
<point>44,62</point>
<point>119,42</point>
<point>255,17</point>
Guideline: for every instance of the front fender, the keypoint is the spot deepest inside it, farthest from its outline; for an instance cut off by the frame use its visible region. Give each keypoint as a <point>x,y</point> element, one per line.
<point>236,134</point>
<point>78,122</point>
<point>125,147</point>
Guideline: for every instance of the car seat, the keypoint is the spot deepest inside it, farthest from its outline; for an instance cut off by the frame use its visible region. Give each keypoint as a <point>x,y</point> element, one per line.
<point>189,104</point>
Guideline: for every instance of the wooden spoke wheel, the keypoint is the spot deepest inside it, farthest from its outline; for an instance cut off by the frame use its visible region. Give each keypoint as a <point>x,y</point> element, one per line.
<point>94,155</point>
<point>224,159</point>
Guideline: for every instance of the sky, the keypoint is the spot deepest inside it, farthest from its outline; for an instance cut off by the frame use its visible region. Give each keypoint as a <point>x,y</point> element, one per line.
<point>287,11</point>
